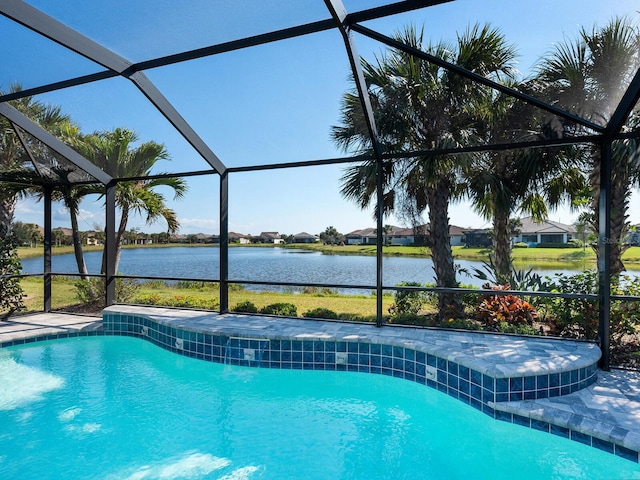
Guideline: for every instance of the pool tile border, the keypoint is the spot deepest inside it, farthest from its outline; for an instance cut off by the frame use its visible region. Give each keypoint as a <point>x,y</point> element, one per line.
<point>479,390</point>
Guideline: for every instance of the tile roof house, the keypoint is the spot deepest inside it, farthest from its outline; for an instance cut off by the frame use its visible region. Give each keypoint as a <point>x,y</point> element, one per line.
<point>239,238</point>
<point>304,237</point>
<point>270,237</point>
<point>400,236</point>
<point>534,233</point>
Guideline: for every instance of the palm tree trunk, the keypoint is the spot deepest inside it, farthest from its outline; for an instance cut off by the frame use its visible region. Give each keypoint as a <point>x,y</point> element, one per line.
<point>119,237</point>
<point>449,304</point>
<point>502,244</point>
<point>619,206</point>
<point>77,244</point>
<point>7,208</point>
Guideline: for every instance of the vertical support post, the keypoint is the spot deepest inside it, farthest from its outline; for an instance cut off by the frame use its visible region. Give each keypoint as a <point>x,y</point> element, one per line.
<point>604,252</point>
<point>47,248</point>
<point>224,242</point>
<point>379,238</point>
<point>339,14</point>
<point>110,244</point>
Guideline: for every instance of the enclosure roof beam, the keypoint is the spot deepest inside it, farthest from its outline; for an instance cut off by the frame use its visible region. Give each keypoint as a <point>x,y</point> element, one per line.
<point>624,108</point>
<point>51,28</point>
<point>476,78</point>
<point>261,39</point>
<point>26,124</point>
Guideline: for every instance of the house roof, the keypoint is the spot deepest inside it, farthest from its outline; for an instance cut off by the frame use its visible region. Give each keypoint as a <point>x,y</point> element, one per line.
<point>236,235</point>
<point>305,235</point>
<point>529,226</point>
<point>269,235</point>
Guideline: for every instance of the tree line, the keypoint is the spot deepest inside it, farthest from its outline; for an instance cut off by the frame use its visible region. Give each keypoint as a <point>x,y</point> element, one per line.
<point>421,106</point>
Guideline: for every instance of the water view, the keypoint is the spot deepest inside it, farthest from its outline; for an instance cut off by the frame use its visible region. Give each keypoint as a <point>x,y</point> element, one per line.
<point>267,265</point>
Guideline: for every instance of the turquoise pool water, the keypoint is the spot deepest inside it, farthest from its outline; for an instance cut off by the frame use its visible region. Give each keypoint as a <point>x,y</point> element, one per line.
<point>122,408</point>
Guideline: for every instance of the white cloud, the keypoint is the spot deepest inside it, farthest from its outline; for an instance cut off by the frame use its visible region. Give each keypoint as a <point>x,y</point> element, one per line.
<point>199,225</point>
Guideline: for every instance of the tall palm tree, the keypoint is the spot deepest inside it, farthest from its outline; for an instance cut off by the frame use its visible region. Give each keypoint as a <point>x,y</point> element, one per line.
<point>589,75</point>
<point>13,156</point>
<point>506,182</point>
<point>114,151</point>
<point>421,106</point>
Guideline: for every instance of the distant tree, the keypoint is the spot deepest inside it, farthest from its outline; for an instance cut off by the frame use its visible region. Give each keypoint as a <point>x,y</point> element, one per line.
<point>25,233</point>
<point>331,236</point>
<point>192,238</point>
<point>58,236</point>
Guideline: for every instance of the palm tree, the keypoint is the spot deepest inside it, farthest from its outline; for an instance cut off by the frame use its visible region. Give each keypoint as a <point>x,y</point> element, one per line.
<point>12,154</point>
<point>589,75</point>
<point>115,153</point>
<point>421,106</point>
<point>504,182</point>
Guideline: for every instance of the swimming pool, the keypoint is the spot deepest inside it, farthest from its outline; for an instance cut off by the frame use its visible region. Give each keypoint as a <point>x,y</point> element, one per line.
<point>120,407</point>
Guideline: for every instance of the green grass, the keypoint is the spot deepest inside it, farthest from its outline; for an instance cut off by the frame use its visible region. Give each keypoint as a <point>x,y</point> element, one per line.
<point>63,293</point>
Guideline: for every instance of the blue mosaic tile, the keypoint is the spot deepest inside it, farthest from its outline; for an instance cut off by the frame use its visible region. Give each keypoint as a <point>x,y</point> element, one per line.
<point>452,368</point>
<point>421,357</point>
<point>387,350</point>
<point>352,347</point>
<point>602,445</point>
<point>463,372</point>
<point>398,352</point>
<point>627,453</point>
<point>581,437</point>
<point>502,385</point>
<point>529,383</point>
<point>515,384</point>
<point>503,416</point>
<point>432,360</point>
<point>476,377</point>
<point>364,348</point>
<point>441,363</point>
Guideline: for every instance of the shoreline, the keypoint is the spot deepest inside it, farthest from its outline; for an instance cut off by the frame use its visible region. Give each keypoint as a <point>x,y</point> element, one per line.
<point>570,258</point>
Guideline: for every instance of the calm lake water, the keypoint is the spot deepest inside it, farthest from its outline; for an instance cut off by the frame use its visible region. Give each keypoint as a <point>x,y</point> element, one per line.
<point>264,264</point>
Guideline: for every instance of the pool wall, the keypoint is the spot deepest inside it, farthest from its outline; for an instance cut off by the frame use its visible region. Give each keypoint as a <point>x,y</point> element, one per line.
<point>462,382</point>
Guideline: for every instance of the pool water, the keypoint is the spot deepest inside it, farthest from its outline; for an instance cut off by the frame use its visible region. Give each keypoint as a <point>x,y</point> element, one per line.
<point>122,408</point>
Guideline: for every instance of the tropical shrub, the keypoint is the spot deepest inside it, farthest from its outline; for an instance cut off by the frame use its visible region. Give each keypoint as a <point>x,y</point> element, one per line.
<point>12,294</point>
<point>320,313</point>
<point>245,307</point>
<point>575,243</point>
<point>508,308</point>
<point>579,317</point>
<point>92,290</point>
<point>283,309</point>
<point>184,301</point>
<point>407,302</point>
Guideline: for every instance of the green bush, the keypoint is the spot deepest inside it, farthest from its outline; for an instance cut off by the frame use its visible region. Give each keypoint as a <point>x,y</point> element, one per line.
<point>575,243</point>
<point>505,327</point>
<point>185,301</point>
<point>459,324</point>
<point>245,307</point>
<point>92,290</point>
<point>410,319</point>
<point>11,293</point>
<point>282,309</point>
<point>578,317</point>
<point>406,302</point>
<point>320,313</point>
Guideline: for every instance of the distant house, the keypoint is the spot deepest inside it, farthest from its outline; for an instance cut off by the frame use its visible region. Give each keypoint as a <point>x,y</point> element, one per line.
<point>92,238</point>
<point>535,233</point>
<point>400,236</point>
<point>361,237</point>
<point>304,237</point>
<point>477,237</point>
<point>270,237</point>
<point>238,238</point>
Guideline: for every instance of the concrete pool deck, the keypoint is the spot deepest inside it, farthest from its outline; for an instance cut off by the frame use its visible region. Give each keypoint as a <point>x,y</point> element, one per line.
<point>607,410</point>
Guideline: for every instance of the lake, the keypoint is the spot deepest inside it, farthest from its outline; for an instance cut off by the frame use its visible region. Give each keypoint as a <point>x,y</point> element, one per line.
<point>265,265</point>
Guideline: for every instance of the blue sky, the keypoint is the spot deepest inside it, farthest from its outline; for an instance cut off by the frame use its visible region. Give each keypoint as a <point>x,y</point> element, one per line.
<point>268,104</point>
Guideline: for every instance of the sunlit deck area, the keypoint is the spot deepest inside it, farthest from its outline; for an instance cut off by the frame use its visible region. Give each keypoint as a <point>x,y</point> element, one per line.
<point>492,373</point>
